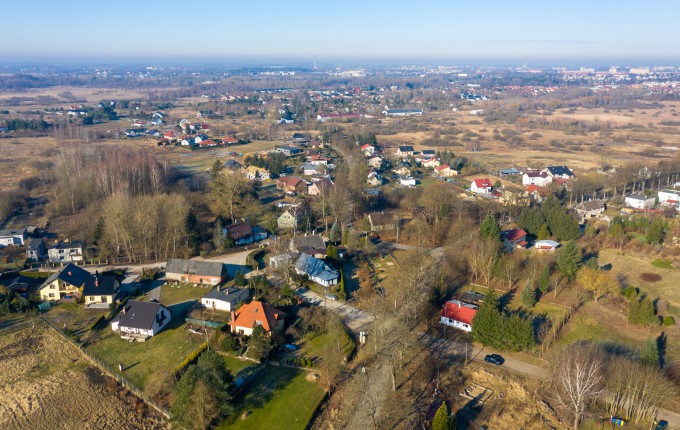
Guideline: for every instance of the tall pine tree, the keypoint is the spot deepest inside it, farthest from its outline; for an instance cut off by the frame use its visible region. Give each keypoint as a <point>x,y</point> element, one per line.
<point>569,260</point>
<point>529,295</point>
<point>441,418</point>
<point>489,228</point>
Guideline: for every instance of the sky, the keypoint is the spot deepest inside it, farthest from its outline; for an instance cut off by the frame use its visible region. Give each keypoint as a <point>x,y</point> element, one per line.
<point>595,32</point>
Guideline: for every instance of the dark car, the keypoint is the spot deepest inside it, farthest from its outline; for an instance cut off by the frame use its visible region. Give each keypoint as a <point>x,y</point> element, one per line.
<point>661,425</point>
<point>495,359</point>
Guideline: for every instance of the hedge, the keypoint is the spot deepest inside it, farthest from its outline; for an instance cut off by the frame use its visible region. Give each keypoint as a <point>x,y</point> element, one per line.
<point>190,359</point>
<point>251,259</point>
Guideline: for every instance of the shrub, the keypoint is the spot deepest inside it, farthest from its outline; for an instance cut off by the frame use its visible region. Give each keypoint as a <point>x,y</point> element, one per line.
<point>662,263</point>
<point>630,292</point>
<point>190,358</point>
<point>668,321</point>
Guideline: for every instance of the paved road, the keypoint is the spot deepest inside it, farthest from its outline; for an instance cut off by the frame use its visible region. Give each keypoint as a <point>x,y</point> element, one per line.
<point>357,320</point>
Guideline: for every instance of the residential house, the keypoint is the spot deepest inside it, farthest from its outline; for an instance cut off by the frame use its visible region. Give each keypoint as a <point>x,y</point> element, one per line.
<point>276,261</point>
<point>458,314</point>
<point>36,250</point>
<point>66,252</point>
<point>374,161</point>
<point>230,140</point>
<point>561,172</point>
<point>197,272</point>
<point>100,289</point>
<point>207,143</point>
<point>316,270</point>
<point>67,283</point>
<point>481,186</point>
<point>640,202</point>
<point>317,160</point>
<point>368,149</point>
<point>135,132</point>
<point>374,179</point>
<point>539,179</point>
<point>445,171</point>
<point>188,141</point>
<point>291,184</point>
<point>428,153</point>
<point>430,162</point>
<point>407,181</point>
<point>589,209</point>
<point>288,219</point>
<point>546,245</point>
<point>241,232</point>
<point>309,243</point>
<point>515,238</point>
<point>311,169</point>
<point>301,138</point>
<point>289,150</point>
<point>255,173</point>
<point>533,191</point>
<point>320,187</point>
<point>170,136</point>
<point>405,151</point>
<point>233,166</point>
<point>383,221</point>
<point>255,313</point>
<point>13,237</point>
<point>509,172</point>
<point>141,320</point>
<point>669,197</point>
<point>511,196</point>
<point>225,299</point>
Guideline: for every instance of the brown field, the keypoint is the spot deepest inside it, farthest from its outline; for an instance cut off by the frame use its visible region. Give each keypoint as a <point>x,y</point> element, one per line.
<point>45,383</point>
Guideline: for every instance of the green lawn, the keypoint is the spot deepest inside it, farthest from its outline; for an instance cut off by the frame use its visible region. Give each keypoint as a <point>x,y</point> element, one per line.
<point>148,363</point>
<point>313,345</point>
<point>235,365</point>
<point>278,398</point>
<point>171,293</point>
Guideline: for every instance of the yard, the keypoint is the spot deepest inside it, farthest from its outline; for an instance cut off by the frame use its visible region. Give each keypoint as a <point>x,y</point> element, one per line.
<point>236,365</point>
<point>74,317</point>
<point>148,364</point>
<point>172,294</point>
<point>277,398</point>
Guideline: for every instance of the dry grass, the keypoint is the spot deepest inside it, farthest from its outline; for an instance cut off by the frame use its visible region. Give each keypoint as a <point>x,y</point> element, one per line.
<point>45,383</point>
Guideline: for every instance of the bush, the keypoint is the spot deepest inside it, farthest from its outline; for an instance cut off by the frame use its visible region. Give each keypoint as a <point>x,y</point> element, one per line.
<point>251,260</point>
<point>630,293</point>
<point>190,359</point>
<point>668,321</point>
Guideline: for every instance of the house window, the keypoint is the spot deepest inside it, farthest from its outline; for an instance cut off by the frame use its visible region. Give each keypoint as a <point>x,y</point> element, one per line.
<point>104,300</point>
<point>52,295</point>
<point>91,299</point>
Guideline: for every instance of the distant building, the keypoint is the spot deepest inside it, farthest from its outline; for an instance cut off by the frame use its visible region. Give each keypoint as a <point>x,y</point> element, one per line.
<point>590,209</point>
<point>546,245</point>
<point>640,202</point>
<point>540,179</point>
<point>289,150</point>
<point>459,315</point>
<point>405,151</point>
<point>481,186</point>
<point>562,172</point>
<point>13,237</point>
<point>36,250</point>
<point>403,112</point>
<point>199,272</point>
<point>671,197</point>
<point>65,252</point>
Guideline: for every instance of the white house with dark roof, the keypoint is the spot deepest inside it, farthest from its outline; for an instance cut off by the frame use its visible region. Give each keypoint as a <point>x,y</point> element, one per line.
<point>640,202</point>
<point>141,320</point>
<point>540,179</point>
<point>316,270</point>
<point>13,237</point>
<point>562,172</point>
<point>225,299</point>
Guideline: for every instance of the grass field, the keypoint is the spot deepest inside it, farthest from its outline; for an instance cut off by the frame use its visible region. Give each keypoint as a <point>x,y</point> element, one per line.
<point>236,365</point>
<point>278,398</point>
<point>148,363</point>
<point>171,294</point>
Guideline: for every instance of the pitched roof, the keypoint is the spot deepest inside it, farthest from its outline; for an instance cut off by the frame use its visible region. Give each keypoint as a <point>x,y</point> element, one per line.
<point>546,244</point>
<point>137,314</point>
<point>406,148</point>
<point>35,243</point>
<point>75,244</point>
<point>459,311</point>
<point>194,267</point>
<point>482,183</point>
<point>535,174</point>
<point>239,231</point>
<point>560,170</point>
<point>258,313</point>
<point>303,243</point>
<point>514,234</point>
<point>13,232</point>
<point>291,181</point>
<point>70,274</point>
<point>442,167</point>
<point>233,165</point>
<point>590,205</point>
<point>98,285</point>
<point>224,294</point>
<point>316,268</point>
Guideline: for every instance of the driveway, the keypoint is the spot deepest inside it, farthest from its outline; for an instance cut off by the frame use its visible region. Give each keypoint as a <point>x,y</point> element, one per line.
<point>357,320</point>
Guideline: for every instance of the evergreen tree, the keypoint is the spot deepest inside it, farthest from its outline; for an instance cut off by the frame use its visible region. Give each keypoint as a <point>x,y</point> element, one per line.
<point>218,238</point>
<point>487,322</point>
<point>544,280</point>
<point>489,228</point>
<point>98,230</point>
<point>441,418</point>
<point>519,332</point>
<point>259,345</point>
<point>649,354</point>
<point>334,234</point>
<point>543,233</point>
<point>569,260</point>
<point>216,168</point>
<point>453,422</point>
<point>531,220</point>
<point>564,226</point>
<point>332,252</point>
<point>642,312</point>
<point>529,295</point>
<point>655,232</point>
<point>239,280</point>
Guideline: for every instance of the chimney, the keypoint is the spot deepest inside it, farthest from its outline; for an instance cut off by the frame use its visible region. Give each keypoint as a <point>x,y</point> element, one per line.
<point>232,322</point>
<point>70,273</point>
<point>96,278</point>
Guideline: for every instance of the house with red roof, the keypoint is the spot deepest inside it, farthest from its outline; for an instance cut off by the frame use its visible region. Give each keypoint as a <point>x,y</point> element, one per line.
<point>291,184</point>
<point>445,171</point>
<point>458,314</point>
<point>515,238</point>
<point>368,149</point>
<point>539,179</point>
<point>229,140</point>
<point>481,186</point>
<point>255,313</point>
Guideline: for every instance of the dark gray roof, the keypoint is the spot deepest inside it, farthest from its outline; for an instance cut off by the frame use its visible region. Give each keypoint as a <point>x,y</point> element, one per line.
<point>560,170</point>
<point>142,315</point>
<point>70,274</point>
<point>36,243</point>
<point>13,232</point>
<point>233,165</point>
<point>406,148</point>
<point>428,152</point>
<point>76,244</point>
<point>303,243</point>
<point>194,267</point>
<point>225,294</point>
<point>106,286</point>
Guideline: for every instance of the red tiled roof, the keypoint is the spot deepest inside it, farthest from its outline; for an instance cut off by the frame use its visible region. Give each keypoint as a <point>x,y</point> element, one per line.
<point>515,234</point>
<point>230,140</point>
<point>258,313</point>
<point>532,188</point>
<point>291,181</point>
<point>443,167</point>
<point>458,312</point>
<point>239,231</point>
<point>482,183</point>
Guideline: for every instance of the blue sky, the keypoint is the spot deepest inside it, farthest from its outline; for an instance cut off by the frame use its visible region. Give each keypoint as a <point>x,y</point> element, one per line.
<point>502,31</point>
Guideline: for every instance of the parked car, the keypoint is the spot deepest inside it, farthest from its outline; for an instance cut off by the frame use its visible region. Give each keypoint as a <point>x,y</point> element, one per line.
<point>495,359</point>
<point>331,297</point>
<point>290,347</point>
<point>661,425</point>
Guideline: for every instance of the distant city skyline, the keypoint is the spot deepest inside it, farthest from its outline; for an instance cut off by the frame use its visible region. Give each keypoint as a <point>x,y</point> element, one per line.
<point>625,33</point>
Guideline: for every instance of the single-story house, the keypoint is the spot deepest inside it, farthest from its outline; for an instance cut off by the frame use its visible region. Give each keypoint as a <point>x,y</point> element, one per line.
<point>458,314</point>
<point>289,150</point>
<point>233,166</point>
<point>546,245</point>
<point>225,299</point>
<point>66,252</point>
<point>481,186</point>
<point>305,243</point>
<point>590,209</point>
<point>405,151</point>
<point>13,237</point>
<point>100,289</point>
<point>65,284</point>
<point>301,138</point>
<point>141,319</point>
<point>198,272</point>
<point>255,173</point>
<point>382,221</point>
<point>311,169</point>
<point>255,313</point>
<point>407,181</point>
<point>316,270</point>
<point>640,202</point>
<point>317,159</point>
<point>368,149</point>
<point>403,112</point>
<point>540,179</point>
<point>291,184</point>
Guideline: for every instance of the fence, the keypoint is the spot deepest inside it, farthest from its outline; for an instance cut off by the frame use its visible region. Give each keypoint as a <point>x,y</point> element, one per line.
<point>105,368</point>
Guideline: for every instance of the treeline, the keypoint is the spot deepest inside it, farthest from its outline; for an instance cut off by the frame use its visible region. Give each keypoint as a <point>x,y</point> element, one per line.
<point>27,127</point>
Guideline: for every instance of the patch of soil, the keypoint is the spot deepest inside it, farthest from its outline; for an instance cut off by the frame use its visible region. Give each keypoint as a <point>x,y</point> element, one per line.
<point>650,277</point>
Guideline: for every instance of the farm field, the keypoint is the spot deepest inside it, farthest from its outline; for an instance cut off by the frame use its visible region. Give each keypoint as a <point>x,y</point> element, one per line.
<point>45,383</point>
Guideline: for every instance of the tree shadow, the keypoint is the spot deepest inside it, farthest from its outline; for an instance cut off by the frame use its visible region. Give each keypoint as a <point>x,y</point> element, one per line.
<point>661,343</point>
<point>506,298</point>
<point>469,413</point>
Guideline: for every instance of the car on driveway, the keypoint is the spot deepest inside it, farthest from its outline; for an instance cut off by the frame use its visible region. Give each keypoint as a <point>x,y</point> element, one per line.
<point>661,425</point>
<point>331,297</point>
<point>495,359</point>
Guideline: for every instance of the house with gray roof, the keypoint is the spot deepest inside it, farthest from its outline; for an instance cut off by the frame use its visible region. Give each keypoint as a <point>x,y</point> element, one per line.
<point>225,299</point>
<point>35,249</point>
<point>13,237</point>
<point>316,270</point>
<point>197,272</point>
<point>140,320</point>
<point>67,283</point>
<point>66,251</point>
<point>307,243</point>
